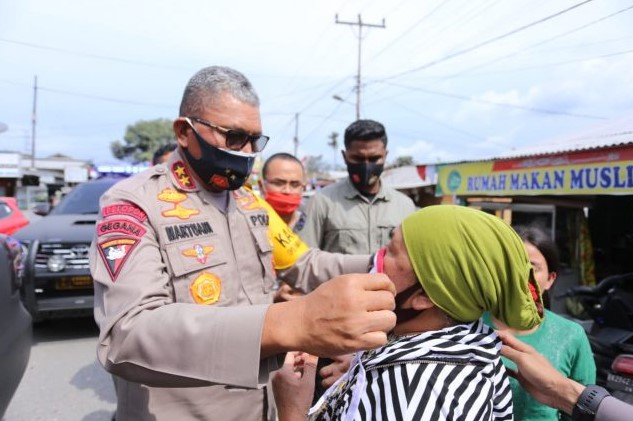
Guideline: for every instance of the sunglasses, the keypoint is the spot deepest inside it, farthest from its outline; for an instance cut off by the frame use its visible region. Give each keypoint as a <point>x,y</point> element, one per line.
<point>235,139</point>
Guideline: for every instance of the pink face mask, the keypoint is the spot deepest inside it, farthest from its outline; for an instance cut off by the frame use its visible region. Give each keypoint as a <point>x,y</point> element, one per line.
<point>402,314</point>
<point>379,260</point>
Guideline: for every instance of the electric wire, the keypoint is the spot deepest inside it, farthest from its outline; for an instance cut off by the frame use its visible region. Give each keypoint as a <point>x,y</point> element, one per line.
<point>486,42</point>
<point>554,64</point>
<point>91,55</point>
<point>498,104</point>
<point>545,41</point>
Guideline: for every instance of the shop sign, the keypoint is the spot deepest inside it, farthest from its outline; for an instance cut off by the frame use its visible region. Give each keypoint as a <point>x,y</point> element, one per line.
<point>607,171</point>
<point>9,165</point>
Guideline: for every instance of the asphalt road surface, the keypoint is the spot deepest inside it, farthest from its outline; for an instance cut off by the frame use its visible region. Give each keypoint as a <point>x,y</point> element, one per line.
<point>63,381</point>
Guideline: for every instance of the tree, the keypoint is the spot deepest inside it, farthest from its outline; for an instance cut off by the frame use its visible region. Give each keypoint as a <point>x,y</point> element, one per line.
<point>314,166</point>
<point>142,139</point>
<point>403,161</point>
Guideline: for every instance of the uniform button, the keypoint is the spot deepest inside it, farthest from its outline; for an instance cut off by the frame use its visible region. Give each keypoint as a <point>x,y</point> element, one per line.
<point>160,169</point>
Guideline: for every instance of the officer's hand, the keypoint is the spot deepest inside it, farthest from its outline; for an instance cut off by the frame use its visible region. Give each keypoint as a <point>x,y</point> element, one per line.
<point>349,313</point>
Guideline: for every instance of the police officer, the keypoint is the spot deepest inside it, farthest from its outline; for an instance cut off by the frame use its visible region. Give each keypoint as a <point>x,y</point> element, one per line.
<point>184,258</point>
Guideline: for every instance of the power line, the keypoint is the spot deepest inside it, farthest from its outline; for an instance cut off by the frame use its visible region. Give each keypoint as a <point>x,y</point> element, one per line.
<point>90,55</point>
<point>415,25</point>
<point>558,63</point>
<point>496,103</point>
<point>487,42</point>
<point>545,41</point>
<point>416,112</point>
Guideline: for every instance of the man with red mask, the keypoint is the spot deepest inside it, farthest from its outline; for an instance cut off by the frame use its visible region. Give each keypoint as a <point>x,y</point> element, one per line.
<point>282,183</point>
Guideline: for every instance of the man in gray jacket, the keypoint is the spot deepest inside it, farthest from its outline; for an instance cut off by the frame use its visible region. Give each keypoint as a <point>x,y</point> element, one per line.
<point>357,215</point>
<point>184,258</point>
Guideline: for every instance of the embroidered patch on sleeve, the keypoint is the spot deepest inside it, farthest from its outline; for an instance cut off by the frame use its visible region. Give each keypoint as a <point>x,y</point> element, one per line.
<point>115,252</point>
<point>124,209</point>
<point>122,226</point>
<point>206,288</point>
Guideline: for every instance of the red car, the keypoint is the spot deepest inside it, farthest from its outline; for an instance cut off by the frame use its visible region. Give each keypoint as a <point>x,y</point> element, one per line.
<point>11,218</point>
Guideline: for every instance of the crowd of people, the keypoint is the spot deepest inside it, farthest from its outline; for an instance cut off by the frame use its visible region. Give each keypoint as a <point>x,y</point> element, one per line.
<point>205,290</point>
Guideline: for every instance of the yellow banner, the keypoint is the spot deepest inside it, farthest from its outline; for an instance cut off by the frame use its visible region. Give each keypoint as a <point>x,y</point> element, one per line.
<point>590,172</point>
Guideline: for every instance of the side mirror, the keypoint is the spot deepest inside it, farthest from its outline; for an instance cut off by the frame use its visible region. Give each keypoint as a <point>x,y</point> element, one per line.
<point>41,209</point>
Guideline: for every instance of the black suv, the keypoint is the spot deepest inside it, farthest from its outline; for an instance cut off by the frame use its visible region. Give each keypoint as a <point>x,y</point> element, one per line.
<point>57,279</point>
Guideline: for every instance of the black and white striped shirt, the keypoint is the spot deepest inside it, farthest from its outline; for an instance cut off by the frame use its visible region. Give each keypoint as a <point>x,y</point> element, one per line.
<point>450,374</point>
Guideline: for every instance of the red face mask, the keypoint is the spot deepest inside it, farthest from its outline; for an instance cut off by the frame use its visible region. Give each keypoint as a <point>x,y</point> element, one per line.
<point>283,204</point>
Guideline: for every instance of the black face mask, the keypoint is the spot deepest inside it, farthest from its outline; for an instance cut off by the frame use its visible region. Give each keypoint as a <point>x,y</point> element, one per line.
<point>365,174</point>
<point>219,168</point>
<point>404,314</point>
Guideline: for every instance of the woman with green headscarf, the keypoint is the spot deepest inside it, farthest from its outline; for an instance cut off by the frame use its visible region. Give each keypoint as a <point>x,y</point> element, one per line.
<point>449,264</point>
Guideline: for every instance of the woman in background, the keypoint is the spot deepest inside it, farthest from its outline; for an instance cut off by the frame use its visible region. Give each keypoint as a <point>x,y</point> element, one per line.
<point>562,341</point>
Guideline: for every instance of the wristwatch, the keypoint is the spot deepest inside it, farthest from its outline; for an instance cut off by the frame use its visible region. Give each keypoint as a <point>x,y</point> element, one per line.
<point>588,403</point>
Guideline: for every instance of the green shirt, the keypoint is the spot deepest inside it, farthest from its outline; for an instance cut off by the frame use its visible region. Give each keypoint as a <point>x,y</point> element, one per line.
<point>341,220</point>
<point>565,344</point>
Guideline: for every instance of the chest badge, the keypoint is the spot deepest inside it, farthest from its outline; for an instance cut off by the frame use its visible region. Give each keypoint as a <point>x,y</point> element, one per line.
<point>199,252</point>
<point>206,288</point>
<point>178,211</point>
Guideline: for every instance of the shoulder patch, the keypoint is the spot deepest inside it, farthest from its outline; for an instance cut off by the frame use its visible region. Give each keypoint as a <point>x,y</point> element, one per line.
<point>115,252</point>
<point>182,176</point>
<point>123,226</point>
<point>124,209</point>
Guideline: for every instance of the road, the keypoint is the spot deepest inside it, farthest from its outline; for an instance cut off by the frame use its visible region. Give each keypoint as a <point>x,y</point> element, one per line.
<point>63,381</point>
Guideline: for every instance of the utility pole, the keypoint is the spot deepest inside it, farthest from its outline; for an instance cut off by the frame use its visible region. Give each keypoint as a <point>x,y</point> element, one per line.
<point>360,25</point>
<point>33,122</point>
<point>296,138</point>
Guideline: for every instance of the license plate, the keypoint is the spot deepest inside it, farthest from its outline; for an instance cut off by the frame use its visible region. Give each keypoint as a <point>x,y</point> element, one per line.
<point>74,282</point>
<point>617,382</point>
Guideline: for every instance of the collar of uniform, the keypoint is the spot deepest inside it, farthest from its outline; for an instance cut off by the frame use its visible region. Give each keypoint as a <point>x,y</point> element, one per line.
<point>352,192</point>
<point>179,173</point>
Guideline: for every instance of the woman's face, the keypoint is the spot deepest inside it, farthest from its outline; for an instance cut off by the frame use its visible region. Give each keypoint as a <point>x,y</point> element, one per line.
<point>543,276</point>
<point>397,265</point>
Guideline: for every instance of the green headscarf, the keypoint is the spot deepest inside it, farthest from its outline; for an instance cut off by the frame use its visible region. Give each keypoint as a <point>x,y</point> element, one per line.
<point>469,262</point>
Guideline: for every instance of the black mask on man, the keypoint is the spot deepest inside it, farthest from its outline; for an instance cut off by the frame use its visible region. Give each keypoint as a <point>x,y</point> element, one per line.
<point>221,169</point>
<point>364,174</point>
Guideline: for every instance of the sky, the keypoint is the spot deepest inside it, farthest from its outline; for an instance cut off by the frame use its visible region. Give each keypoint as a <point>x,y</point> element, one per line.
<point>451,80</point>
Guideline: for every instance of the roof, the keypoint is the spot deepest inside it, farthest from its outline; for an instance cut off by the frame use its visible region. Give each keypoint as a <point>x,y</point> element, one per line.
<point>410,176</point>
<point>610,133</point>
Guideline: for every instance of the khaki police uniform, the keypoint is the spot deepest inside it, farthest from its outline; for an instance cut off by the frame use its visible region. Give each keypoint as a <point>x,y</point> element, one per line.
<point>181,292</point>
